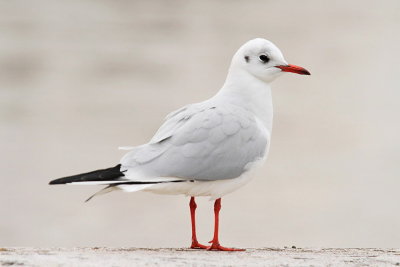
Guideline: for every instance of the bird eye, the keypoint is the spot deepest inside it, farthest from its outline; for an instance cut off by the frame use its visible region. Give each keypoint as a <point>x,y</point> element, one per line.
<point>264,58</point>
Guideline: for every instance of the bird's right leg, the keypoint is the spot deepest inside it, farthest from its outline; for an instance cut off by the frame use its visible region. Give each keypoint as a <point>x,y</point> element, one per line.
<point>195,243</point>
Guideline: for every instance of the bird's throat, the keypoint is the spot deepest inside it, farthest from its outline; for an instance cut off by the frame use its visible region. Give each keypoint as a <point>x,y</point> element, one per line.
<point>251,93</point>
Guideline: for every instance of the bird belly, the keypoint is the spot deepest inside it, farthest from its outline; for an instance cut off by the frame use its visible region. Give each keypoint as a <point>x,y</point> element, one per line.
<point>213,189</point>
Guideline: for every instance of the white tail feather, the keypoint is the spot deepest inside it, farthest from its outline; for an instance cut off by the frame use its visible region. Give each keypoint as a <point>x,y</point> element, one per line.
<point>133,187</point>
<point>95,182</point>
<point>103,191</point>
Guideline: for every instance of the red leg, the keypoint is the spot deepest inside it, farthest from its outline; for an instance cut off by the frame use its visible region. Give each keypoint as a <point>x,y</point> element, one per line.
<point>215,242</point>
<point>195,243</point>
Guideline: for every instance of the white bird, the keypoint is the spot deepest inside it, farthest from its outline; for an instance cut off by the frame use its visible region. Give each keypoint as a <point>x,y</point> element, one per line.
<point>208,148</point>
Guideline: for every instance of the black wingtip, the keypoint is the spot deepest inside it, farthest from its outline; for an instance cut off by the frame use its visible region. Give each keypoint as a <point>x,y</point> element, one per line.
<point>54,182</point>
<point>59,181</point>
<point>108,174</point>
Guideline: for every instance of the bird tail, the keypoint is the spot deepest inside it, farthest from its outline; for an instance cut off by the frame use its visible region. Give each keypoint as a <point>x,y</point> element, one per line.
<point>112,177</point>
<point>104,176</point>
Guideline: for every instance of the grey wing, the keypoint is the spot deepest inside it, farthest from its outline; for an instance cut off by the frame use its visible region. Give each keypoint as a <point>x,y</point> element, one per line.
<point>201,143</point>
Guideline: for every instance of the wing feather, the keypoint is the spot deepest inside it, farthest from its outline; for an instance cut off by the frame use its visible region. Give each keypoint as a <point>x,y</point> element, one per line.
<point>200,142</point>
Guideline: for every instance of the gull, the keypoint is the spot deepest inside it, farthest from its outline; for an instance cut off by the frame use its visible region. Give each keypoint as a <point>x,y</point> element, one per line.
<point>210,148</point>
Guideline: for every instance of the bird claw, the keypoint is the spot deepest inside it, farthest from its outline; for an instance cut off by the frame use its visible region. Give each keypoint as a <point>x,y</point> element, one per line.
<point>197,245</point>
<point>214,246</point>
<point>218,247</point>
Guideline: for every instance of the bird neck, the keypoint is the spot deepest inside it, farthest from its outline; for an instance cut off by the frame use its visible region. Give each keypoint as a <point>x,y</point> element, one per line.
<point>245,90</point>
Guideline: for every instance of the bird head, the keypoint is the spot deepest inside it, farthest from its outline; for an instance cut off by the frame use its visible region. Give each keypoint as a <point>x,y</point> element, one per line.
<point>262,59</point>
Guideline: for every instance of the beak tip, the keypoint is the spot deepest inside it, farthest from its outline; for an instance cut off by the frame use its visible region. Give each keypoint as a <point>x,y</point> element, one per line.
<point>294,69</point>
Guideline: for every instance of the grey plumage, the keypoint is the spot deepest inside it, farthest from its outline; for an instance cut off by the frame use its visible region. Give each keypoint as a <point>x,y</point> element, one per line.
<point>203,141</point>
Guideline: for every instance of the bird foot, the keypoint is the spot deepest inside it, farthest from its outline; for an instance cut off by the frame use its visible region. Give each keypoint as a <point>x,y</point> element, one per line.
<point>197,245</point>
<point>216,246</point>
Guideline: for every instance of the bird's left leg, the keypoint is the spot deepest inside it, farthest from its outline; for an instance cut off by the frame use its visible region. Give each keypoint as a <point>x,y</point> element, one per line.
<point>195,243</point>
<point>215,242</point>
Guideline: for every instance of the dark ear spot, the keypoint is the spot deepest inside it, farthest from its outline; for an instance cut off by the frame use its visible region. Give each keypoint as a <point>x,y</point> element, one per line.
<point>247,59</point>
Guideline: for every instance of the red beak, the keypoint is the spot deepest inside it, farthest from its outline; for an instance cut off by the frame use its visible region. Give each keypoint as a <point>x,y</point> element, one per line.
<point>294,69</point>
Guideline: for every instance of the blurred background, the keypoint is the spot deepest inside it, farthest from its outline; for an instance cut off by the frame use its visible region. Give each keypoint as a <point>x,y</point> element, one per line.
<point>80,78</point>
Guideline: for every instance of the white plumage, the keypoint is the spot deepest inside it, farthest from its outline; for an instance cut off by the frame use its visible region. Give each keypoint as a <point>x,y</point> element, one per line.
<point>213,144</point>
<point>207,148</point>
<point>210,148</point>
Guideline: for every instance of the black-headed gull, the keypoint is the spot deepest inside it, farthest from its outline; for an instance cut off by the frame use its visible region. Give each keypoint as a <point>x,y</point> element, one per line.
<point>208,148</point>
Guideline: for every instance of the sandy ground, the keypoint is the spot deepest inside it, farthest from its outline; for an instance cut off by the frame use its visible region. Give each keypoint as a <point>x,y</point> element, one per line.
<point>97,256</point>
